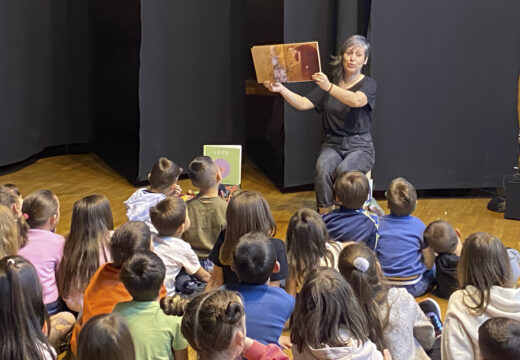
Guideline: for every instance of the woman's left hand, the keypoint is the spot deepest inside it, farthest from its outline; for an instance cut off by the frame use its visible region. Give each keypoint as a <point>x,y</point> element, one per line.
<point>321,80</point>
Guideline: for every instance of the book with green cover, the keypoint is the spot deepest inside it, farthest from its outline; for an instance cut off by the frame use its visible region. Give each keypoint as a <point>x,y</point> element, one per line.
<point>229,159</point>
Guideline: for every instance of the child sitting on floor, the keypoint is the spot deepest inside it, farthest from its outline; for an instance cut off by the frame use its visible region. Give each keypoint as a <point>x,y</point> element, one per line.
<point>163,182</point>
<point>405,258</point>
<point>350,222</point>
<point>207,211</point>
<point>499,339</point>
<point>267,308</point>
<point>171,219</point>
<point>155,334</point>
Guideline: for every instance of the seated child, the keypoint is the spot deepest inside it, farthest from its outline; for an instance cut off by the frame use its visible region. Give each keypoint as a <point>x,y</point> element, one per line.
<point>163,182</point>
<point>350,222</point>
<point>155,334</point>
<point>405,258</point>
<point>105,289</point>
<point>267,308</point>
<point>445,241</point>
<point>499,339</point>
<point>44,248</point>
<point>207,211</point>
<point>106,336</point>
<point>171,219</point>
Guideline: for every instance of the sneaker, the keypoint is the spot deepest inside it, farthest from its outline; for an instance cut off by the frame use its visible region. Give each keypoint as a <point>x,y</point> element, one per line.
<point>432,310</point>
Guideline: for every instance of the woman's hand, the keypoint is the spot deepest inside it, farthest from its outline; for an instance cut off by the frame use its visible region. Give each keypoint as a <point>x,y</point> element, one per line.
<point>273,87</point>
<point>322,81</point>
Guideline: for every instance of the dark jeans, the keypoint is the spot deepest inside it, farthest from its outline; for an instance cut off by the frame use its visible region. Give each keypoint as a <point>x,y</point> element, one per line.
<point>337,155</point>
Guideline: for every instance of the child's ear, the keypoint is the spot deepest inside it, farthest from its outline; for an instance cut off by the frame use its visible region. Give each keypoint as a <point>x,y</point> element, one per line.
<point>459,234</point>
<point>149,175</point>
<point>218,177</point>
<point>276,268</point>
<point>239,340</point>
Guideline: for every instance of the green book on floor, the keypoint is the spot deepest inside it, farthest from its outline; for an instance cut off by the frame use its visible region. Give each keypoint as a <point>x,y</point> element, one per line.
<point>229,159</point>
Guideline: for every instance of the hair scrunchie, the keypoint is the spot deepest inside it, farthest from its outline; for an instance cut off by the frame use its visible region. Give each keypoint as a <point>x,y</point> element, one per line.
<point>361,264</point>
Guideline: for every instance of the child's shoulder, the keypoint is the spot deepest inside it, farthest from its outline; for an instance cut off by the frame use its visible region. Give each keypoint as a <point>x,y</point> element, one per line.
<point>170,241</point>
<point>144,194</point>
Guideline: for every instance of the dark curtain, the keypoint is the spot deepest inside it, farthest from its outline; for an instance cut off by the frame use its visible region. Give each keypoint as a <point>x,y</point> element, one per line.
<point>447,75</point>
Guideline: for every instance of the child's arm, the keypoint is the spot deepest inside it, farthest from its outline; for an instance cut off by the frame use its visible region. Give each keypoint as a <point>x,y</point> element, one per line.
<point>180,354</point>
<point>428,257</point>
<point>217,278</point>
<point>202,274</point>
<point>290,286</point>
<point>253,350</point>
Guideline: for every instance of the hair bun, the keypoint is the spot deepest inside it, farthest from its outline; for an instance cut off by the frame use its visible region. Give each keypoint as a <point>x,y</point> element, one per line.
<point>232,314</point>
<point>173,305</point>
<point>361,264</point>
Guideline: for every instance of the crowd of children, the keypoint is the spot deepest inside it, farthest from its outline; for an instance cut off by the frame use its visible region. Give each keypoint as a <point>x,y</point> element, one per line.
<point>209,273</point>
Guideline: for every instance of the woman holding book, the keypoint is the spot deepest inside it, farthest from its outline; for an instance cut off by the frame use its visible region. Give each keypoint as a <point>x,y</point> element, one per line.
<point>346,104</point>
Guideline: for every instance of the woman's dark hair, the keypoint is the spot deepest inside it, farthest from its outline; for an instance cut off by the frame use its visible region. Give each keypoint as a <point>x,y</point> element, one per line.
<point>9,196</point>
<point>246,212</point>
<point>132,237</point>
<point>89,237</point>
<point>107,337</point>
<point>164,174</point>
<point>39,207</point>
<point>211,320</point>
<point>358,265</point>
<point>338,71</point>
<point>326,305</point>
<point>306,240</point>
<point>22,312</point>
<point>483,263</point>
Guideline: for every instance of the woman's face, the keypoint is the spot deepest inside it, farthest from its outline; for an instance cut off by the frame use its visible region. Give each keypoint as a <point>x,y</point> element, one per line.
<point>354,59</point>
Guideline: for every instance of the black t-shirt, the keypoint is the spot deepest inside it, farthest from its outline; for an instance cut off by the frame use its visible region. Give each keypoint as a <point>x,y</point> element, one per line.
<point>340,119</point>
<point>229,275</point>
<point>446,275</point>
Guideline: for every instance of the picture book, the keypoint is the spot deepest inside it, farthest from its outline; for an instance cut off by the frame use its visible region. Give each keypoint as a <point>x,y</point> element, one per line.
<point>229,159</point>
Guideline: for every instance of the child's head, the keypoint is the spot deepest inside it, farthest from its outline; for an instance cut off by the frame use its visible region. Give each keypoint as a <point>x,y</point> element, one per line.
<point>169,216</point>
<point>106,336</point>
<point>22,311</point>
<point>402,197</point>
<point>164,176</point>
<point>246,212</point>
<point>10,240</point>
<point>131,238</point>
<point>358,265</point>
<point>214,324</point>
<point>306,241</point>
<point>142,275</point>
<point>483,263</point>
<point>325,306</point>
<point>352,189</point>
<point>499,339</point>
<point>441,237</point>
<point>254,259</point>
<point>42,210</point>
<point>203,173</point>
<point>11,198</point>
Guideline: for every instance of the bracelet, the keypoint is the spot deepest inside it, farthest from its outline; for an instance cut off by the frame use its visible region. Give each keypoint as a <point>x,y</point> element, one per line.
<point>331,86</point>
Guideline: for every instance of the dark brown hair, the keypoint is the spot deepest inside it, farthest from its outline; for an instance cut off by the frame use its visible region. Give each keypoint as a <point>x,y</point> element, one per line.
<point>402,197</point>
<point>168,215</point>
<point>202,172</point>
<point>9,196</point>
<point>89,236</point>
<point>22,311</point>
<point>164,174</point>
<point>10,240</point>
<point>246,212</point>
<point>325,305</point>
<point>358,265</point>
<point>483,263</point>
<point>306,240</point>
<point>499,339</point>
<point>39,207</point>
<point>107,337</point>
<point>211,320</point>
<point>352,189</point>
<point>142,275</point>
<point>254,258</point>
<point>132,237</point>
<point>441,237</point>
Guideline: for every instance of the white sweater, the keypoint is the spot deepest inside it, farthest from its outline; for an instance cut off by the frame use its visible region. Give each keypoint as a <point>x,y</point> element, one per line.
<point>460,335</point>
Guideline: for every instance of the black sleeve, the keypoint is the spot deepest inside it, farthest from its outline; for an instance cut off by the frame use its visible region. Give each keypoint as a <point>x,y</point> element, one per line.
<point>214,254</point>
<point>316,97</point>
<point>281,257</point>
<point>369,88</point>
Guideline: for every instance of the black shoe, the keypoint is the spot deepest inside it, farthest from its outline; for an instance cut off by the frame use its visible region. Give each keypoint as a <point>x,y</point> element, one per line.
<point>497,204</point>
<point>432,310</point>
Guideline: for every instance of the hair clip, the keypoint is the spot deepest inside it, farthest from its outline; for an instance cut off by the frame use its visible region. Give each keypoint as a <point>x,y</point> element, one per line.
<point>26,216</point>
<point>11,262</point>
<point>361,264</point>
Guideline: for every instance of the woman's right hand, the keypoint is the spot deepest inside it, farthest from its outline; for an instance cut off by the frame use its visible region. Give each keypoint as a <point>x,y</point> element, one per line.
<point>273,87</point>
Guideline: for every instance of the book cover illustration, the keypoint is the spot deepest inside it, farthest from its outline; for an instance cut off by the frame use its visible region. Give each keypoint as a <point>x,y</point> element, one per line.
<point>229,159</point>
<point>283,63</point>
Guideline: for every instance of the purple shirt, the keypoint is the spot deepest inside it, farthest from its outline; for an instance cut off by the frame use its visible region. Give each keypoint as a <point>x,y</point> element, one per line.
<point>44,250</point>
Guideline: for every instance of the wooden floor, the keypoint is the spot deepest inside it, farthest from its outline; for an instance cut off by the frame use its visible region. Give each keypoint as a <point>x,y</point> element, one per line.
<point>74,176</point>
